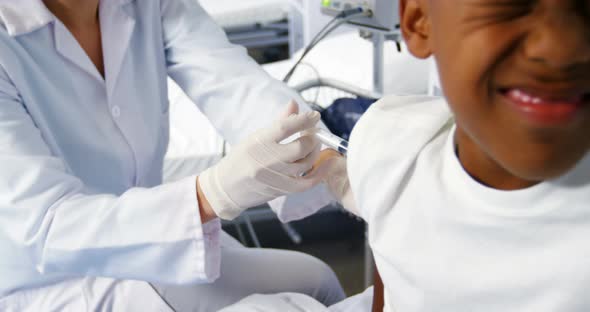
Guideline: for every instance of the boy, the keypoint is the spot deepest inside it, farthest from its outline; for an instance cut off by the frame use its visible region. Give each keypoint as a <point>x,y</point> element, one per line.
<point>486,208</point>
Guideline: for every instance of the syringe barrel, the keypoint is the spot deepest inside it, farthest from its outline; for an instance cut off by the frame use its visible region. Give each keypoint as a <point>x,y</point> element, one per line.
<point>332,140</point>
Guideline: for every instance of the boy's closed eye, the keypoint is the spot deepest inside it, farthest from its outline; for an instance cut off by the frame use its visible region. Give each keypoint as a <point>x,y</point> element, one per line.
<point>490,11</point>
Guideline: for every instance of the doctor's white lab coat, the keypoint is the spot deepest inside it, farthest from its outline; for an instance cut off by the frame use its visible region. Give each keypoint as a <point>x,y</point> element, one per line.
<point>81,156</point>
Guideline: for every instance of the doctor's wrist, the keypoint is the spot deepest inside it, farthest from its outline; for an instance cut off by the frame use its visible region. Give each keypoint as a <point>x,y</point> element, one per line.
<point>205,210</point>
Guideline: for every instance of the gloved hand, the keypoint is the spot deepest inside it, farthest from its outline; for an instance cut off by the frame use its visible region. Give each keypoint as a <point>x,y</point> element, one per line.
<point>333,167</point>
<point>261,169</point>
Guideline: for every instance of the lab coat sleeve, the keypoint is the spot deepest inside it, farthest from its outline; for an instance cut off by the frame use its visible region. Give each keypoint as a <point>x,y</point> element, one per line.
<point>232,90</point>
<point>153,234</point>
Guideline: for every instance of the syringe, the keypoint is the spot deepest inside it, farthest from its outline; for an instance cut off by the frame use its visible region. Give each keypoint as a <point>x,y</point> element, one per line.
<point>331,140</point>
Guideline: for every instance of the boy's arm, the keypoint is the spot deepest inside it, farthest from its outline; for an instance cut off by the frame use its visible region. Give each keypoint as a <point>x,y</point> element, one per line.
<point>378,301</point>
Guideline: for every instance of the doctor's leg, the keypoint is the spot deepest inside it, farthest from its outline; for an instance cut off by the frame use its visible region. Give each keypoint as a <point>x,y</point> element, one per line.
<point>247,271</point>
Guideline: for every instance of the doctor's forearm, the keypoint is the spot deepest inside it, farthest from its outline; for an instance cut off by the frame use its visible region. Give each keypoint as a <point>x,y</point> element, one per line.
<point>207,213</point>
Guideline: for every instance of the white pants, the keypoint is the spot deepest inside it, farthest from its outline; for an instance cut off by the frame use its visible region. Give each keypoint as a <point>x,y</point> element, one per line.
<point>244,272</point>
<point>247,271</point>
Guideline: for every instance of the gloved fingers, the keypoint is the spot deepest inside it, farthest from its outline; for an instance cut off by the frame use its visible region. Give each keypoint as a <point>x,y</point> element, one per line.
<point>336,165</point>
<point>304,165</point>
<point>330,164</point>
<point>314,177</point>
<point>293,123</point>
<point>293,177</point>
<point>297,150</point>
<point>312,157</point>
<point>292,109</point>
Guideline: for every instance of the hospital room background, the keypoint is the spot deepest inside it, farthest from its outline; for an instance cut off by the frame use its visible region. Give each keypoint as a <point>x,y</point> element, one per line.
<point>339,77</point>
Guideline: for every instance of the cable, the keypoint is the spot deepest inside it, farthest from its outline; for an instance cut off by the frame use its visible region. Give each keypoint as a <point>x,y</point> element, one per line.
<point>329,28</point>
<point>307,49</point>
<point>343,17</point>
<point>317,93</point>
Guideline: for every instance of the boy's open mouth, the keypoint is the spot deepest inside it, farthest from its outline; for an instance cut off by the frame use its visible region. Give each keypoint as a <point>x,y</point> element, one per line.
<point>547,108</point>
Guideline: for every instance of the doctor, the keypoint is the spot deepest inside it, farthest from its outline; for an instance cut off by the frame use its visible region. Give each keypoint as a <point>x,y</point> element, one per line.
<point>85,221</point>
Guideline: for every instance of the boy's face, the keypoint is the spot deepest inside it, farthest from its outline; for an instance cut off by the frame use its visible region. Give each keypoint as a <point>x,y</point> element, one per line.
<point>516,74</point>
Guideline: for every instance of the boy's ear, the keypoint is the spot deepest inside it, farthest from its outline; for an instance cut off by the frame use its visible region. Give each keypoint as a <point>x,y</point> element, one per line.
<point>415,27</point>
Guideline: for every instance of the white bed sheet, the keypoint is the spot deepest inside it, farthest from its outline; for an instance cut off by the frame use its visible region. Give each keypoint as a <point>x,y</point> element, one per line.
<point>236,13</point>
<point>292,302</point>
<point>349,58</point>
<point>195,145</point>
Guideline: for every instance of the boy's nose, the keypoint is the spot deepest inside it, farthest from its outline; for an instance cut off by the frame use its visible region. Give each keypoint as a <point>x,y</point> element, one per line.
<point>560,42</point>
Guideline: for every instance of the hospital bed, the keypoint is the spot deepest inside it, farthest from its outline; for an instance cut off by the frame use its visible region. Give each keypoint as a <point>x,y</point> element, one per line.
<point>342,66</point>
<point>259,23</point>
<point>339,67</point>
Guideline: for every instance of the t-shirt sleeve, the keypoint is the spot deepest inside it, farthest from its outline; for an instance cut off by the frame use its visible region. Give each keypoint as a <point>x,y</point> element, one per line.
<point>384,146</point>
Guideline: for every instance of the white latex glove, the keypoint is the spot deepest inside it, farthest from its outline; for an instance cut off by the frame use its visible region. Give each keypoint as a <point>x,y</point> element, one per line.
<point>333,167</point>
<point>261,168</point>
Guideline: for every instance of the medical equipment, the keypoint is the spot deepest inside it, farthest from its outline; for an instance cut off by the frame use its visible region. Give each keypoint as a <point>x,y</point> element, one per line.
<point>341,18</point>
<point>259,24</point>
<point>382,23</point>
<point>331,140</point>
<point>383,15</point>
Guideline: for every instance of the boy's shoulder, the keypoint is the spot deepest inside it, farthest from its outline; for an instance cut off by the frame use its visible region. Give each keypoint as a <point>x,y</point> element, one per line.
<point>387,140</point>
<point>399,122</point>
<point>412,108</point>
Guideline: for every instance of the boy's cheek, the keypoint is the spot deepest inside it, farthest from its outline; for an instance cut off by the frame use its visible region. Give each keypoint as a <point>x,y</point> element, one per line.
<point>526,153</point>
<point>473,64</point>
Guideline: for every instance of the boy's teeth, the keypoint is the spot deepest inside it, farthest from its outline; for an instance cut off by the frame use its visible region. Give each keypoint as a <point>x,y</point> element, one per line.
<point>544,107</point>
<point>526,98</point>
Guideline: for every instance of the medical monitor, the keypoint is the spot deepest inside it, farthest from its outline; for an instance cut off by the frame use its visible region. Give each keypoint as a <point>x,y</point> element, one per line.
<point>384,17</point>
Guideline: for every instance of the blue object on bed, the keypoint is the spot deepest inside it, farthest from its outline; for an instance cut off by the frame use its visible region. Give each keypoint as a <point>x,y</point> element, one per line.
<point>344,113</point>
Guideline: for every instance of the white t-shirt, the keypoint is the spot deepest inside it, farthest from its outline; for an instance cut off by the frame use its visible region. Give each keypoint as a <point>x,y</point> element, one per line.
<point>443,242</point>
